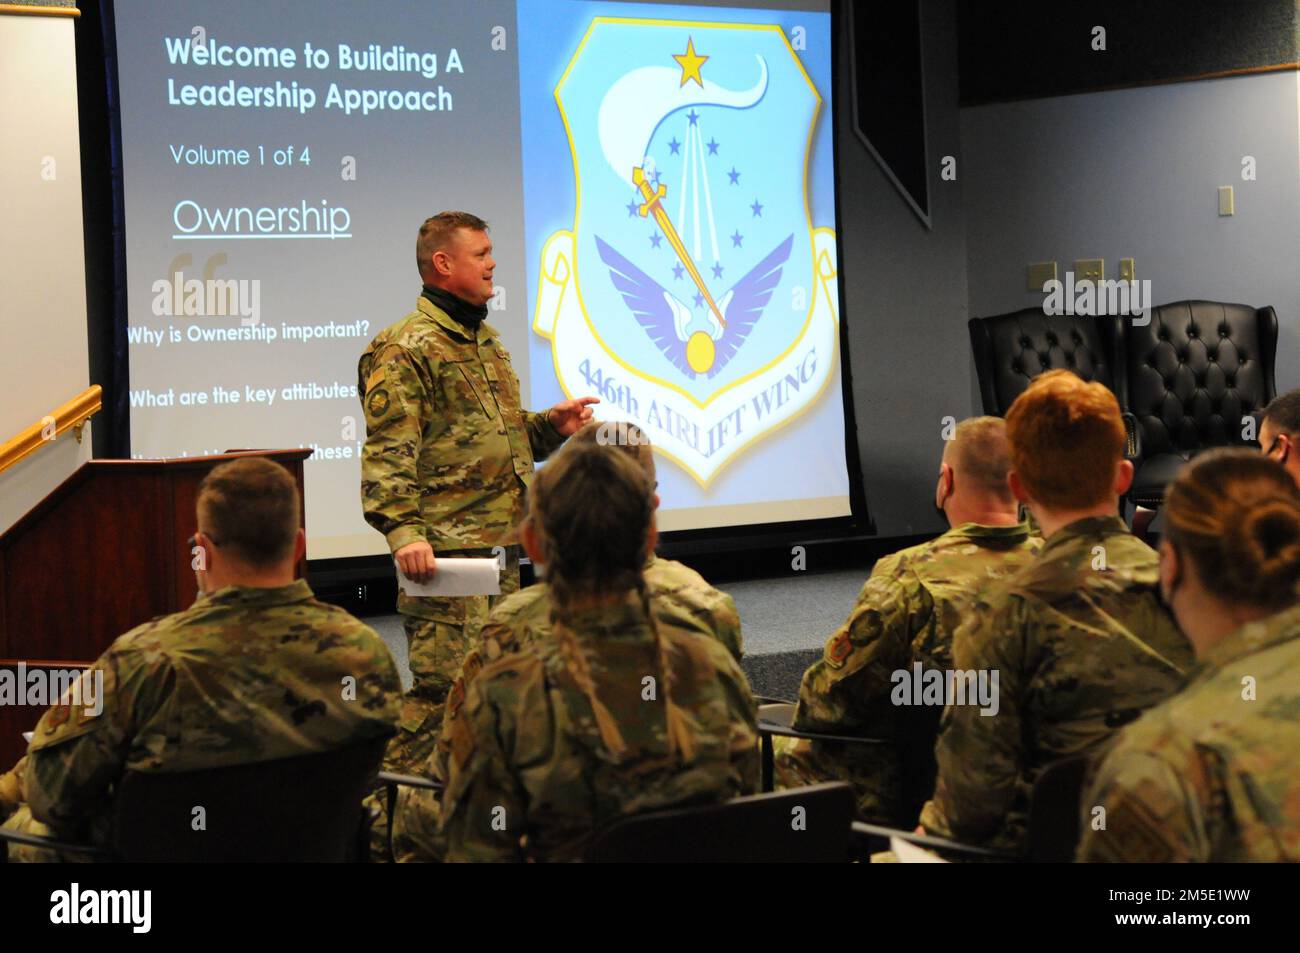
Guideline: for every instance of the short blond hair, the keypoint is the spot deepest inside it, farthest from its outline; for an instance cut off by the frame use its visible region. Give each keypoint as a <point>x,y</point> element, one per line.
<point>437,231</point>
<point>980,452</point>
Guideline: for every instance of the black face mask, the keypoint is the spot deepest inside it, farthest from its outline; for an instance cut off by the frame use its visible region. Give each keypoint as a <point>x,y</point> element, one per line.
<point>939,509</point>
<point>1165,604</point>
<point>1160,598</point>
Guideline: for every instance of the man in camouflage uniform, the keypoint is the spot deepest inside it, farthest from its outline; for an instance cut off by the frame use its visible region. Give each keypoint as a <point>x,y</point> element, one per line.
<point>906,614</point>
<point>1078,638</point>
<point>448,455</point>
<point>449,451</point>
<point>679,597</point>
<point>257,669</point>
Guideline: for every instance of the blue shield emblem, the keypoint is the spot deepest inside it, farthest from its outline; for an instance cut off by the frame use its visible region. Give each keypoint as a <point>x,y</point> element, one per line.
<point>693,258</point>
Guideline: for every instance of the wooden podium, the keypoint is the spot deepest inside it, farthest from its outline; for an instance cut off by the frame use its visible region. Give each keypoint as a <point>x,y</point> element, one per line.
<point>104,552</point>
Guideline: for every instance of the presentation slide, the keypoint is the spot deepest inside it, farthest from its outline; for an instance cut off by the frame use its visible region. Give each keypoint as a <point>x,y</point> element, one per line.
<point>659,183</point>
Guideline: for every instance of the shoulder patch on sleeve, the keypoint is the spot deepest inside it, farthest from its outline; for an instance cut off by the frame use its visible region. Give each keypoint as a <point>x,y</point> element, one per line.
<point>455,698</point>
<point>462,741</point>
<point>377,400</point>
<point>839,649</point>
<point>1134,833</point>
<point>62,723</point>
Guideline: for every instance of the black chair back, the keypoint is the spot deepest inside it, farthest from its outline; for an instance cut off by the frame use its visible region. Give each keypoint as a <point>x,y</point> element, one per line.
<point>918,730</point>
<point>1196,370</point>
<point>1053,823</point>
<point>809,824</point>
<point>306,808</point>
<point>1193,373</point>
<point>1054,811</point>
<point>1012,349</point>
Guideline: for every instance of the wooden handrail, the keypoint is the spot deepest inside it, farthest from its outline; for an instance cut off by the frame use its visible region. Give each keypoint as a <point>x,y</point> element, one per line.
<point>71,416</point>
<point>33,10</point>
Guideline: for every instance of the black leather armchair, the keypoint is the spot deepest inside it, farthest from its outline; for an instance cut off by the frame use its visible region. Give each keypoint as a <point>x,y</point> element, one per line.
<point>1012,349</point>
<point>1190,377</point>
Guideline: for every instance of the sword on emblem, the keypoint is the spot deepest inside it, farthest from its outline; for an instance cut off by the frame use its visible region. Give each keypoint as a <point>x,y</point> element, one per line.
<point>653,205</point>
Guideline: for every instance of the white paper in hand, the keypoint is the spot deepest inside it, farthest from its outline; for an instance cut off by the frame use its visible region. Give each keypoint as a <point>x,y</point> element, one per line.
<point>456,576</point>
<point>908,853</point>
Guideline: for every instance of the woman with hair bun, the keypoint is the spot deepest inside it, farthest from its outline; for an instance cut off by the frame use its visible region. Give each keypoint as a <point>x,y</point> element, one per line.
<point>612,712</point>
<point>1211,774</point>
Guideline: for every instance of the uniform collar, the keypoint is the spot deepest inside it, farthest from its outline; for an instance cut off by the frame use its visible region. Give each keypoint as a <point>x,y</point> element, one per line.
<point>1088,527</point>
<point>296,591</point>
<point>984,531</point>
<point>453,327</point>
<point>1252,637</point>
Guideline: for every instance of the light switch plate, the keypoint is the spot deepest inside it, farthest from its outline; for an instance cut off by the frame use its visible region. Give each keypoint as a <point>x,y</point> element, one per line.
<point>1040,273</point>
<point>1089,269</point>
<point>1226,205</point>
<point>1126,270</point>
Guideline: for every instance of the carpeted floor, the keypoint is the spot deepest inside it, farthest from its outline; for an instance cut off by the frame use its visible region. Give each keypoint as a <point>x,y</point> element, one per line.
<point>785,622</point>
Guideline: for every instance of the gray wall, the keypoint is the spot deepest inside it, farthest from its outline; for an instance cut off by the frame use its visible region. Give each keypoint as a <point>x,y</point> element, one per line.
<point>905,297</point>
<point>1133,173</point>
<point>1115,174</point>
<point>43,359</point>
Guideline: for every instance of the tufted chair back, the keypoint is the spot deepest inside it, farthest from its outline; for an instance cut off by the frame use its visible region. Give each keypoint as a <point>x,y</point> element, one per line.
<point>1012,349</point>
<point>1196,370</point>
<point>1192,374</point>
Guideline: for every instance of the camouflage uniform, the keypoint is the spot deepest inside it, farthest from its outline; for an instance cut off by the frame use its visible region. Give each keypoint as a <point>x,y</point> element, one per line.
<point>906,613</point>
<point>680,597</point>
<point>408,752</point>
<point>681,601</point>
<point>1210,774</point>
<point>243,675</point>
<point>448,456</point>
<point>1079,651</point>
<point>11,789</point>
<point>531,773</point>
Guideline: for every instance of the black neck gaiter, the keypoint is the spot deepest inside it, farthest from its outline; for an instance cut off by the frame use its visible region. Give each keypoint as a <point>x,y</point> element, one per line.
<point>467,315</point>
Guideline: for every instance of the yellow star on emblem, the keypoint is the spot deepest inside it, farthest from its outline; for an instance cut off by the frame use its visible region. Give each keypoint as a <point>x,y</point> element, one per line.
<point>690,63</point>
